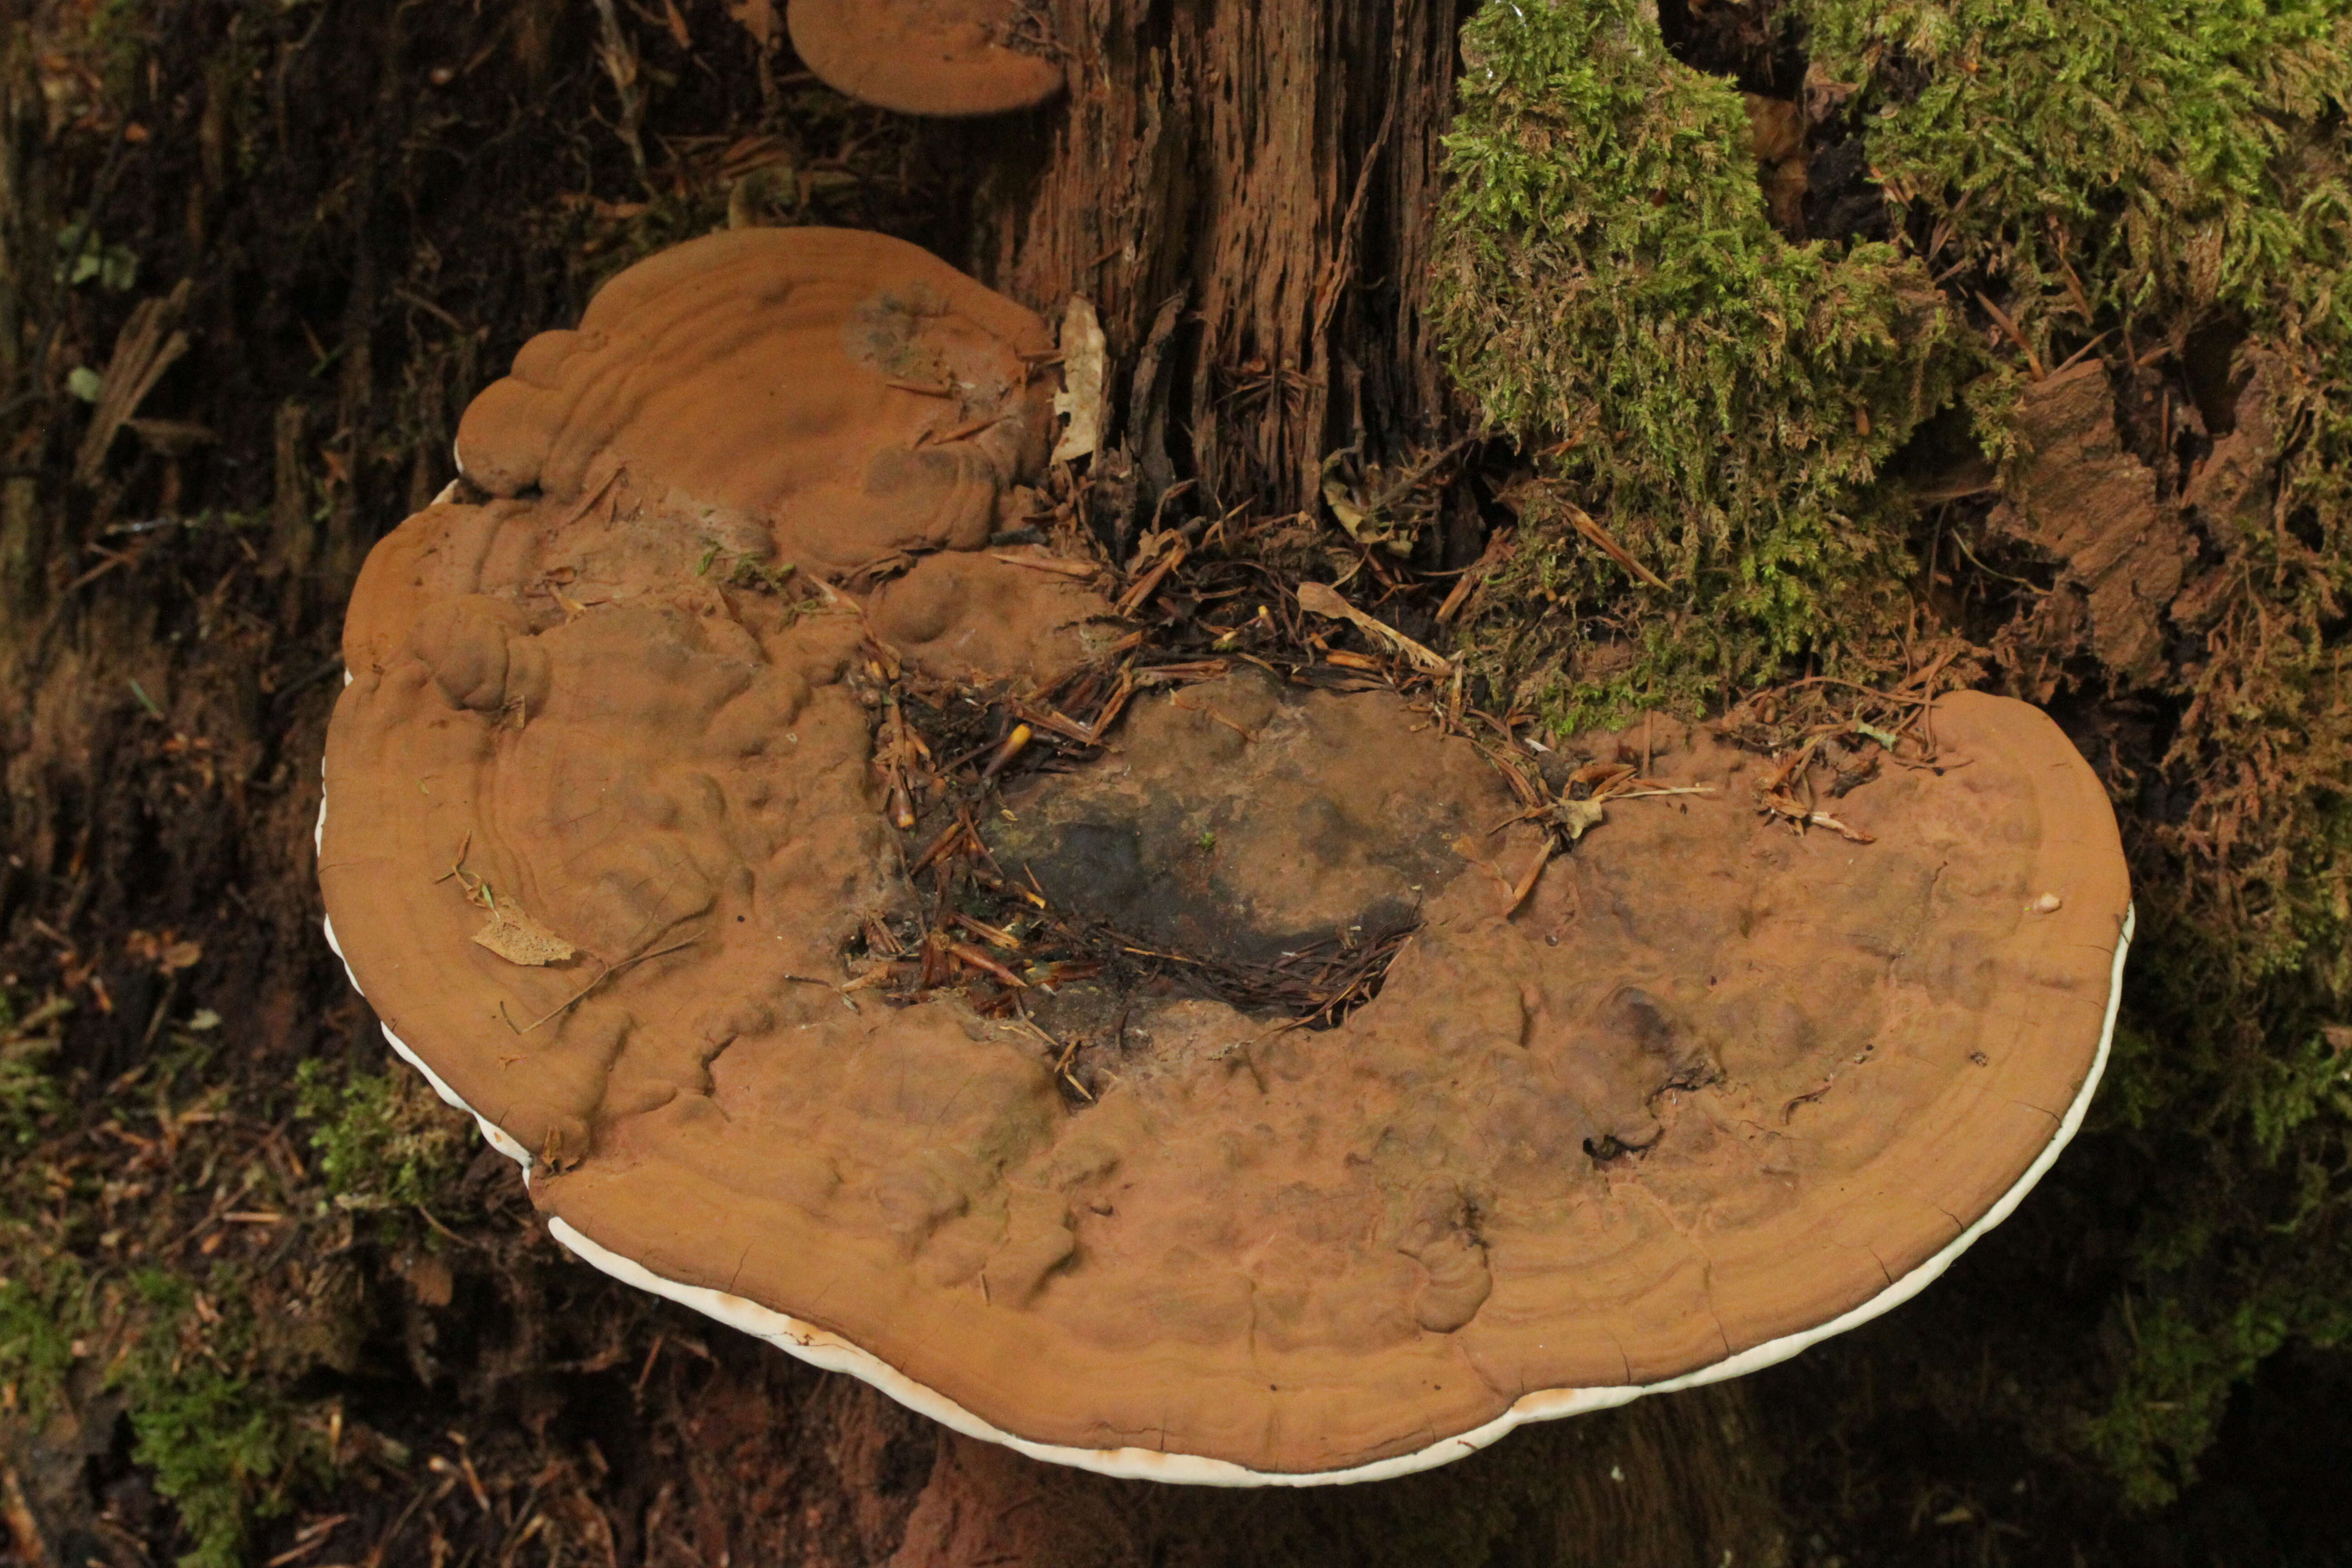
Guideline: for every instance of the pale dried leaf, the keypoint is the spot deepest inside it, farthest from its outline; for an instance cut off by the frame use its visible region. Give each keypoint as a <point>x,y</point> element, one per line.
<point>1872,732</point>
<point>1342,502</point>
<point>519,938</point>
<point>1580,817</point>
<point>1081,398</point>
<point>1856,835</point>
<point>1322,599</point>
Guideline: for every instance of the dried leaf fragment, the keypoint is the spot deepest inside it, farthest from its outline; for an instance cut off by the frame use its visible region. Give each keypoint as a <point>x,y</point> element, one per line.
<point>1081,399</point>
<point>757,18</point>
<point>1579,816</point>
<point>519,938</point>
<point>1850,834</point>
<point>1358,514</point>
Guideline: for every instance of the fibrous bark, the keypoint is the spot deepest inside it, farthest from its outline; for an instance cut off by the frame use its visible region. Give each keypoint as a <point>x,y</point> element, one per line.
<point>1269,168</point>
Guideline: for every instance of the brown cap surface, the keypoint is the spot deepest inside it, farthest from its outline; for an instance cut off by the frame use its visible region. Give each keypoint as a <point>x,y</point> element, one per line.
<point>923,57</point>
<point>1711,1084</point>
<point>779,390</point>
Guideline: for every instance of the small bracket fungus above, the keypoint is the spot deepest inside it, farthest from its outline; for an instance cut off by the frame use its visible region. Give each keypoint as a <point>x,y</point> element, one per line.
<point>1255,1095</point>
<point>926,56</point>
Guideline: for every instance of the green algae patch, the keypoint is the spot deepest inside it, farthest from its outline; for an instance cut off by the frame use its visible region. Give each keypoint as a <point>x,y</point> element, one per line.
<point>1719,398</point>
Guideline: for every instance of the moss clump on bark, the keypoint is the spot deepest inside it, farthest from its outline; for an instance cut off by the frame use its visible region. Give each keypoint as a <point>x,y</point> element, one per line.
<point>2153,184</point>
<point>2149,170</point>
<point>1718,397</point>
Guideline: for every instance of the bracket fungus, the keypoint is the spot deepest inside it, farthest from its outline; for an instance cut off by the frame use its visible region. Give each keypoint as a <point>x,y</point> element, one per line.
<point>1263,1099</point>
<point>942,58</point>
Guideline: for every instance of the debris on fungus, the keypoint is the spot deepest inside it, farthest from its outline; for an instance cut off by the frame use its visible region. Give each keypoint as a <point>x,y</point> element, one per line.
<point>1259,1092</point>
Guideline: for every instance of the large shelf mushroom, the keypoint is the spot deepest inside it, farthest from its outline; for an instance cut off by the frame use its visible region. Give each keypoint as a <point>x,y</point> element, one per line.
<point>942,58</point>
<point>606,812</point>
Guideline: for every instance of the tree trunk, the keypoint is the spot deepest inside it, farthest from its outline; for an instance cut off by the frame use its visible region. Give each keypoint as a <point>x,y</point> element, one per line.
<point>1246,190</point>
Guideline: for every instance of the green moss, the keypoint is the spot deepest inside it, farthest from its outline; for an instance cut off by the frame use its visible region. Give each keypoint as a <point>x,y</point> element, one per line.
<point>226,1448</point>
<point>1611,292</point>
<point>2112,160</point>
<point>204,1390</point>
<point>2144,169</point>
<point>214,1442</point>
<point>45,1306</point>
<point>2119,176</point>
<point>28,1094</point>
<point>383,1143</point>
<point>43,1296</point>
<point>226,1445</point>
<point>208,1394</point>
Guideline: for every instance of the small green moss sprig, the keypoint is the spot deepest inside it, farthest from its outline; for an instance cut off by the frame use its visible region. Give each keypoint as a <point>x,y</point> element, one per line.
<point>383,1142</point>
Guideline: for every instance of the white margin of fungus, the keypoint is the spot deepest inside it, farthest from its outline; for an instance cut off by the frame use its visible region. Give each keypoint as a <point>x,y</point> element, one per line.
<point>822,1347</point>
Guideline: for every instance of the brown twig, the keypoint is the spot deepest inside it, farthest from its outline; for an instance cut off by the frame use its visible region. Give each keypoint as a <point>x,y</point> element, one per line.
<point>1593,531</point>
<point>582,995</point>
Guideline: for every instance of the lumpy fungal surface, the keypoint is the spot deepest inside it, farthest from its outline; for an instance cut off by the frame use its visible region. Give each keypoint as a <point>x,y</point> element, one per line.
<point>1256,1082</point>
